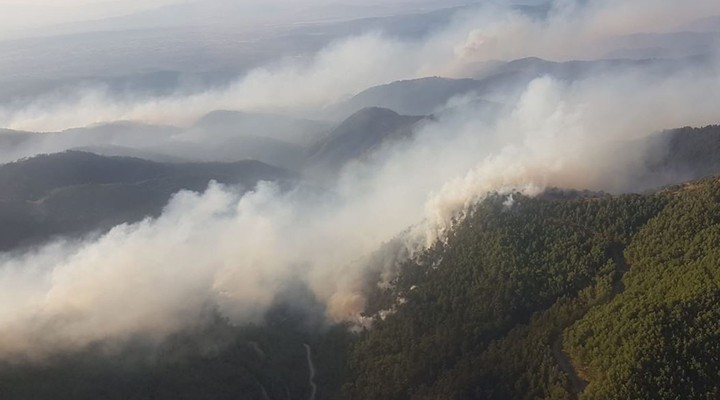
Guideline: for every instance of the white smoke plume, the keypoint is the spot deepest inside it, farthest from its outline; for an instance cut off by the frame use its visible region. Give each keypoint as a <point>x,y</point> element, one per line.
<point>237,251</point>
<point>571,30</point>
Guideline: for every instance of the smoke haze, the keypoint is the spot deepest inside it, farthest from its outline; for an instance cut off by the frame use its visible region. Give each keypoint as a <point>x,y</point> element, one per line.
<point>349,65</point>
<point>234,252</point>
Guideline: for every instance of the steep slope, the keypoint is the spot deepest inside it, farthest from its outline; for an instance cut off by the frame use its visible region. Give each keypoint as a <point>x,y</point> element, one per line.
<point>496,82</point>
<point>686,153</point>
<point>74,192</point>
<point>660,337</point>
<point>358,135</point>
<point>586,297</point>
<point>456,333</point>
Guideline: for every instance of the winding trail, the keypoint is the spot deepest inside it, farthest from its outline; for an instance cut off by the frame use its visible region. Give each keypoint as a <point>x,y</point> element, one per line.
<point>565,362</point>
<point>311,368</point>
<point>577,384</point>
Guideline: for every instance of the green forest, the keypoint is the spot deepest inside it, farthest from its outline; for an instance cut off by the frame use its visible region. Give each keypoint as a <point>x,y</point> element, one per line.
<point>567,295</point>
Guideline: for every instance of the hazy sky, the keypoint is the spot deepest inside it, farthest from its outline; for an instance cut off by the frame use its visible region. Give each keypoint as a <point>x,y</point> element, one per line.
<point>20,16</point>
<point>30,14</point>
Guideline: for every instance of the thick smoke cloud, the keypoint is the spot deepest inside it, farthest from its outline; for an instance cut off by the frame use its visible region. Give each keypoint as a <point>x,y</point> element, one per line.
<point>235,252</point>
<point>347,66</point>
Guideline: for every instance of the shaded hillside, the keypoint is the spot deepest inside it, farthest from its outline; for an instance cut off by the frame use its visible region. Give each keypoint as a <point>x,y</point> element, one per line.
<point>358,135</point>
<point>686,153</point>
<point>75,192</point>
<point>212,360</point>
<point>131,152</point>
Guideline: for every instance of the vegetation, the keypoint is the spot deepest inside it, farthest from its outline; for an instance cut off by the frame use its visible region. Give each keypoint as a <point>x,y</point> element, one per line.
<point>212,360</point>
<point>562,296</point>
<point>482,311</point>
<point>660,338</point>
<point>74,193</point>
<point>590,298</point>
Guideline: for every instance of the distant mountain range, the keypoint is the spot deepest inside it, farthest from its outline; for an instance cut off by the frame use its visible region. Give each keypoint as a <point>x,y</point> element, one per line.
<point>499,82</point>
<point>74,193</point>
<point>286,141</point>
<point>134,168</point>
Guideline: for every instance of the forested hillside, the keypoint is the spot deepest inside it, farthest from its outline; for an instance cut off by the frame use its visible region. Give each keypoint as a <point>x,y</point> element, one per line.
<point>562,296</point>
<point>591,298</point>
<point>74,193</point>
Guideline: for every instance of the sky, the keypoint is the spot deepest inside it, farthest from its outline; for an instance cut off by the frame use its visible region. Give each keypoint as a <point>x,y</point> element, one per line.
<point>19,18</point>
<point>32,14</point>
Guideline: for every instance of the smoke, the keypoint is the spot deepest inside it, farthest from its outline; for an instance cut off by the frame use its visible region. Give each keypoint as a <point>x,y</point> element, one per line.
<point>301,86</point>
<point>289,86</point>
<point>235,252</point>
<point>578,30</point>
